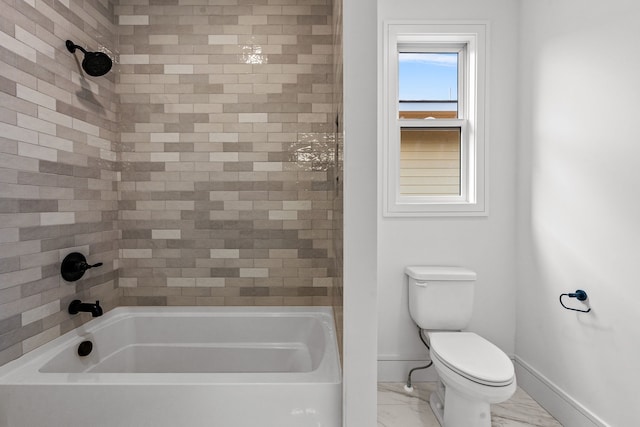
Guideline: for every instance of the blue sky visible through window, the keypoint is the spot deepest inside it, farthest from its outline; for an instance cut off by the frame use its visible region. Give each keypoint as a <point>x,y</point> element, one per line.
<point>428,76</point>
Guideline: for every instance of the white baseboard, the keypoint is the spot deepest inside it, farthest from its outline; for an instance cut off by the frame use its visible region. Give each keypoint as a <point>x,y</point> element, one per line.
<point>564,408</point>
<point>559,404</point>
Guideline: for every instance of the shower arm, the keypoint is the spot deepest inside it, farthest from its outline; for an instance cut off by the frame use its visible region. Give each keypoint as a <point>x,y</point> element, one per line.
<point>72,47</point>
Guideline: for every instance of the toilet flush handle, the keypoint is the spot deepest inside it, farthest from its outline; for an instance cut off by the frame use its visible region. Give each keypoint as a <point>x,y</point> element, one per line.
<point>421,284</point>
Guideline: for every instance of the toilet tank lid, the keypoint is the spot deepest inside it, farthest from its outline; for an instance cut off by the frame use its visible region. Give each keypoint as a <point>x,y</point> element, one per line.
<point>423,272</point>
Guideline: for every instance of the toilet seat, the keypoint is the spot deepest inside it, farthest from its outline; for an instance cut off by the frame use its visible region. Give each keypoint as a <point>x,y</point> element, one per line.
<point>472,357</point>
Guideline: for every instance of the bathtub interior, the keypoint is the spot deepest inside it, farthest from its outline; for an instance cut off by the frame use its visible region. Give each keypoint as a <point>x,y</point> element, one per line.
<point>226,343</point>
<point>192,344</point>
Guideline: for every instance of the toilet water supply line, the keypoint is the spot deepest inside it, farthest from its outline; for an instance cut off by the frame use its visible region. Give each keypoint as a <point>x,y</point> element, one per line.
<point>408,387</point>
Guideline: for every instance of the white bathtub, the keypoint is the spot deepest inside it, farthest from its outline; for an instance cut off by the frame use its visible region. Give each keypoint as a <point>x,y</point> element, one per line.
<point>187,367</point>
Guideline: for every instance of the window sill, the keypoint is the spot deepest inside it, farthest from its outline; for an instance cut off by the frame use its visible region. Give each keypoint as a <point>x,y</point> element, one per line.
<point>419,210</point>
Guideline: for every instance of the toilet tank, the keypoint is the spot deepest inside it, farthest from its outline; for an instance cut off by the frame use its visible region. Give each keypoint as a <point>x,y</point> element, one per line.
<point>441,298</point>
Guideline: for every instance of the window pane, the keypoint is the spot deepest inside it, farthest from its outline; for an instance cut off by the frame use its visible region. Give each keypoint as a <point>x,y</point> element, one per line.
<point>428,85</point>
<point>430,161</point>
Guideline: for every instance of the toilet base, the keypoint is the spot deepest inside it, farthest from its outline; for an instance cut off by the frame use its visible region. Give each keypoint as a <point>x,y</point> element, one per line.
<point>453,409</point>
<point>437,407</point>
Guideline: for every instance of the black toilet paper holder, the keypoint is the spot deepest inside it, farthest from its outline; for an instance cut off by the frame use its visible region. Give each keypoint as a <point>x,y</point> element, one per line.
<point>580,295</point>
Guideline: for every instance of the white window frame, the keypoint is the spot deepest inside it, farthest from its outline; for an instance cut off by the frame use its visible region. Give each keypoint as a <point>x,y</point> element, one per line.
<point>470,39</point>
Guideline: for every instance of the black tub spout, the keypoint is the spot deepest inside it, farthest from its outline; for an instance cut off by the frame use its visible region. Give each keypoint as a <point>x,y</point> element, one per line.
<point>77,306</point>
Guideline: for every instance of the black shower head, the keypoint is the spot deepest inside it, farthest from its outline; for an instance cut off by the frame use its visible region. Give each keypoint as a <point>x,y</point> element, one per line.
<point>94,63</point>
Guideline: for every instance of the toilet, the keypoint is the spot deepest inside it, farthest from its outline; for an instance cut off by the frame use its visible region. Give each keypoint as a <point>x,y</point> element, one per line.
<point>472,372</point>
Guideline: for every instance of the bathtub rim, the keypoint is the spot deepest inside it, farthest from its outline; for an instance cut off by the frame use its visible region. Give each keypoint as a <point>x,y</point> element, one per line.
<point>25,369</point>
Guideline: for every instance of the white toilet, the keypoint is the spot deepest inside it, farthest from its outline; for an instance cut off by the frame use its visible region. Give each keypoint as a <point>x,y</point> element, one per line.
<point>473,373</point>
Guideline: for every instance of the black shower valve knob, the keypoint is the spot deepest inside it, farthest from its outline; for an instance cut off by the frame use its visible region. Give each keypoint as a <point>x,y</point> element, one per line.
<point>84,266</point>
<point>74,266</point>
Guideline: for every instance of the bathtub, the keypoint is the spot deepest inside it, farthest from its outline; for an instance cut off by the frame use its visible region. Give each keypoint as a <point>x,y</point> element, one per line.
<point>177,366</point>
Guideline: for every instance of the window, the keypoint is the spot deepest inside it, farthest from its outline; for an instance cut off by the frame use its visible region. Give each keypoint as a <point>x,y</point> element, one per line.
<point>433,127</point>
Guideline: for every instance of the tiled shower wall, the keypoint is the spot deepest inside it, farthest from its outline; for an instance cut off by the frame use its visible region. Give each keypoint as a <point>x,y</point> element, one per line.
<point>227,127</point>
<point>214,177</point>
<point>57,167</point>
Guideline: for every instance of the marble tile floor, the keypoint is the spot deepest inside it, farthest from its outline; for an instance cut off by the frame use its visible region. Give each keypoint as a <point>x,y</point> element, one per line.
<point>397,408</point>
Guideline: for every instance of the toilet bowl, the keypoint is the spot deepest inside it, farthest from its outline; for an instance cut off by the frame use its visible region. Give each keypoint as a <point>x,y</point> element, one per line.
<point>474,374</point>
